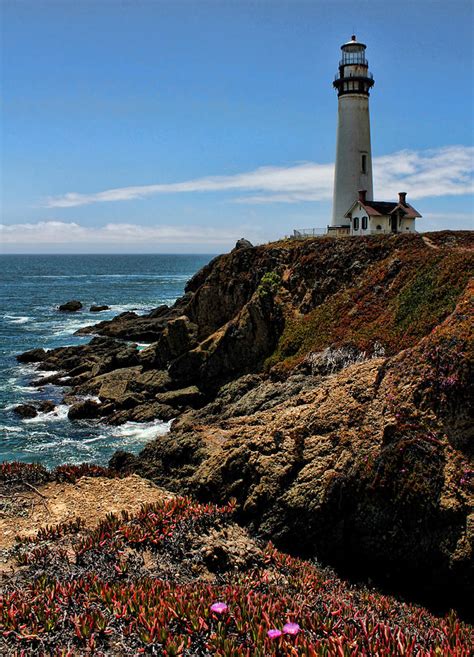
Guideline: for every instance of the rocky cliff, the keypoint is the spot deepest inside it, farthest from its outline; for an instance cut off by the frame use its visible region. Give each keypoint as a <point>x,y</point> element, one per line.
<point>325,384</point>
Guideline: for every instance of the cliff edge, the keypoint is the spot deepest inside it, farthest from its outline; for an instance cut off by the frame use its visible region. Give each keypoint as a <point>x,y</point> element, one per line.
<point>325,384</point>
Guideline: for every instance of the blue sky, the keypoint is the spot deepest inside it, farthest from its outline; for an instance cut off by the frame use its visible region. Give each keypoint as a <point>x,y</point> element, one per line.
<point>215,120</point>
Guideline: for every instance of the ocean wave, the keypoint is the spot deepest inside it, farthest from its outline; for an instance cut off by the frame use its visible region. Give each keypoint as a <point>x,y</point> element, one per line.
<point>60,444</point>
<point>142,431</point>
<point>16,319</point>
<point>10,429</point>
<point>130,306</point>
<point>12,385</point>
<point>9,407</point>
<point>95,439</point>
<point>29,390</point>
<point>24,371</point>
<point>59,413</point>
<point>70,327</point>
<point>42,374</point>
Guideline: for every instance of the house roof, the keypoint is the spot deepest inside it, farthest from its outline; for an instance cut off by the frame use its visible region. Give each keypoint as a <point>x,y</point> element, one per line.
<point>385,208</point>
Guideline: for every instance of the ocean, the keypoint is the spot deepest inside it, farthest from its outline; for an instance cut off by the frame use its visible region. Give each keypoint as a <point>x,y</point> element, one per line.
<point>31,288</point>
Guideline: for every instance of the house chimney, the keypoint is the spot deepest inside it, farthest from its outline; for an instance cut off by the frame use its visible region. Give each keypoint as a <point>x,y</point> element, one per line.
<point>362,195</point>
<point>402,198</point>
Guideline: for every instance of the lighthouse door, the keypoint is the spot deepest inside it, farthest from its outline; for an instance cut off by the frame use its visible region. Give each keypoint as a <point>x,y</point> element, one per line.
<point>394,223</point>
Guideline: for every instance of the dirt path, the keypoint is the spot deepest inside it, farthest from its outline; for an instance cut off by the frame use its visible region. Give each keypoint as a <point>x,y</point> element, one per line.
<point>429,243</point>
<point>90,498</point>
<point>437,247</point>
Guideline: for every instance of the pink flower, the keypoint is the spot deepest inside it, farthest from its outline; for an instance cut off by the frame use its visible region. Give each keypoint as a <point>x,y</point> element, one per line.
<point>219,607</point>
<point>274,634</point>
<point>291,628</point>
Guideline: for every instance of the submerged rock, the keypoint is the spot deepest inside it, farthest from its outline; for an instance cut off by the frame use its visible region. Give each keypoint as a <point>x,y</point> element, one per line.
<point>29,411</point>
<point>98,309</point>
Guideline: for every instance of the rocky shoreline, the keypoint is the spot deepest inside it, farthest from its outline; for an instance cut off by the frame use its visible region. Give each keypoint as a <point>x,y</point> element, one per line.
<point>324,384</point>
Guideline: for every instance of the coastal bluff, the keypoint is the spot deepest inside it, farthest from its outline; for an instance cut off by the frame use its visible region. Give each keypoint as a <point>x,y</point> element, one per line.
<point>325,384</point>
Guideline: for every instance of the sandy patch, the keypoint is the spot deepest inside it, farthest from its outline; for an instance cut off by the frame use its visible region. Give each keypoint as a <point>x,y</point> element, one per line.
<point>90,498</point>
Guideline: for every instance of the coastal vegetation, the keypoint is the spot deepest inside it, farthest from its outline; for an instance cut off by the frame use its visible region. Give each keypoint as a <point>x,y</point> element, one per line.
<point>180,578</point>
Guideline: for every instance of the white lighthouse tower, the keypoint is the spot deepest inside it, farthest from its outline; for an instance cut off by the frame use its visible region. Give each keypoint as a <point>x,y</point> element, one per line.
<point>353,152</point>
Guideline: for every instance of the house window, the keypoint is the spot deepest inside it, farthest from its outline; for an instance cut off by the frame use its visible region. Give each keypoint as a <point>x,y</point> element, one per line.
<point>356,223</point>
<point>364,223</point>
<point>363,163</point>
<point>379,227</point>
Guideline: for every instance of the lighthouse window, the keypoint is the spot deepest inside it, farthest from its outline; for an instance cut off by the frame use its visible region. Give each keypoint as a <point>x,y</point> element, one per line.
<point>356,223</point>
<point>363,163</point>
<point>364,223</point>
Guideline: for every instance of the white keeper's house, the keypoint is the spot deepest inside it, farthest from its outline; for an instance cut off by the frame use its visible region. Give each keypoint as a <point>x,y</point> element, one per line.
<point>377,217</point>
<point>355,212</point>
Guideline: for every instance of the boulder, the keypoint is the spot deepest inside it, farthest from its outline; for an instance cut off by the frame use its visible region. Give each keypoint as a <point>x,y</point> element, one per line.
<point>190,396</point>
<point>70,306</point>
<point>110,384</point>
<point>26,411</point>
<point>243,244</point>
<point>158,312</point>
<point>143,413</point>
<point>151,382</point>
<point>98,309</point>
<point>148,356</point>
<point>179,336</point>
<point>222,548</point>
<point>127,357</point>
<point>129,401</point>
<point>84,410</point>
<point>123,461</point>
<point>129,326</point>
<point>32,356</point>
<point>113,390</point>
<point>46,406</point>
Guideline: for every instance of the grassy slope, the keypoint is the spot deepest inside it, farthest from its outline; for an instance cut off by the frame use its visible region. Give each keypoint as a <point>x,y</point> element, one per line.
<point>396,302</point>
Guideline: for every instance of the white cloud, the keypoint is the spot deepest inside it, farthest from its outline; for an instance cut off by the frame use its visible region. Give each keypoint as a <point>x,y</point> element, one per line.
<point>59,232</point>
<point>436,172</point>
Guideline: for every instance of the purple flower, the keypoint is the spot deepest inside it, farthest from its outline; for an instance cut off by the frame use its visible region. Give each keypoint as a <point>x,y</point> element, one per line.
<point>291,628</point>
<point>219,607</point>
<point>274,634</point>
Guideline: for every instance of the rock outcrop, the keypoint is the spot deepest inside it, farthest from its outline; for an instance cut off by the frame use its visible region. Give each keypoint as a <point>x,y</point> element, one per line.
<point>243,244</point>
<point>325,385</point>
<point>370,468</point>
<point>70,306</point>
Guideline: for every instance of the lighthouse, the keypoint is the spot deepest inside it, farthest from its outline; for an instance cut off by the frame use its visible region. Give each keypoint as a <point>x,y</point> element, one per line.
<point>353,151</point>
